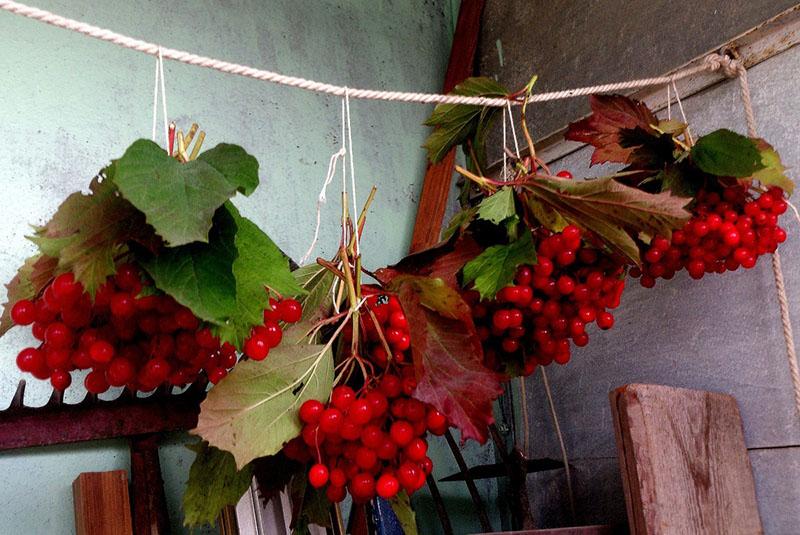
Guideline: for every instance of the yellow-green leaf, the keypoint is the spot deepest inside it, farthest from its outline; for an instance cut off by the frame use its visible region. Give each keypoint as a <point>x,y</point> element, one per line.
<point>253,412</point>
<point>401,505</point>
<point>773,173</point>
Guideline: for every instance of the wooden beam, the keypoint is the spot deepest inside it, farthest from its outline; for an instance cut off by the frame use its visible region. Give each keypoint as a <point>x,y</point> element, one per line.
<point>102,506</point>
<point>436,187</point>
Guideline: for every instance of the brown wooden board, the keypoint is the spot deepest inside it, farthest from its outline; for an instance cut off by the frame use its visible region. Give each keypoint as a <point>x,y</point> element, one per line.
<point>436,187</point>
<point>684,463</point>
<point>101,501</point>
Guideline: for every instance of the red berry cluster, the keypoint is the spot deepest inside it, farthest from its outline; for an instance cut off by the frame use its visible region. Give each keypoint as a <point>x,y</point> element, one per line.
<point>371,441</point>
<point>571,285</point>
<point>266,336</point>
<point>729,229</point>
<point>126,339</point>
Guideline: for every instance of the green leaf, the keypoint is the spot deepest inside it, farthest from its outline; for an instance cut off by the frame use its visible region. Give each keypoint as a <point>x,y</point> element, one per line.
<point>674,180</point>
<point>455,123</point>
<point>214,482</point>
<point>309,506</point>
<point>88,232</point>
<point>401,505</point>
<point>253,412</point>
<point>459,222</point>
<point>259,263</point>
<point>178,199</point>
<point>611,210</point>
<point>316,282</point>
<point>498,207</point>
<point>28,283</point>
<point>546,215</point>
<point>200,275</point>
<point>238,167</point>
<point>726,153</point>
<point>773,173</point>
<point>494,269</point>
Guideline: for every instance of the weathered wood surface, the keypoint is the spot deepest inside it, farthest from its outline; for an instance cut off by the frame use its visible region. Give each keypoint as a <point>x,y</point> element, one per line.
<point>149,502</point>
<point>438,176</point>
<point>102,506</point>
<point>684,462</point>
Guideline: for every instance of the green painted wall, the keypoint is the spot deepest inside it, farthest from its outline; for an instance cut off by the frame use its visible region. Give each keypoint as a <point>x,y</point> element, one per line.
<point>68,104</point>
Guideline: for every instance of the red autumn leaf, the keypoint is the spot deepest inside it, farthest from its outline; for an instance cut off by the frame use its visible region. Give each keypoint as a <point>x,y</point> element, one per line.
<point>443,261</point>
<point>447,355</point>
<point>611,114</point>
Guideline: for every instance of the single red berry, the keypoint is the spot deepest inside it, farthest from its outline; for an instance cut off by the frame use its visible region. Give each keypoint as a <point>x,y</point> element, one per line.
<point>318,475</point>
<point>310,411</point>
<point>605,320</point>
<point>30,359</point>
<point>123,305</point>
<point>216,375</point>
<point>23,312</point>
<point>362,487</point>
<point>60,379</point>
<point>564,174</point>
<point>58,335</point>
<point>330,420</point>
<point>256,347</point>
<point>360,411</point>
<point>101,351</point>
<point>342,396</point>
<point>95,382</point>
<point>387,487</point>
<point>120,372</point>
<point>57,358</point>
<point>290,310</point>
<point>401,433</point>
<point>416,450</point>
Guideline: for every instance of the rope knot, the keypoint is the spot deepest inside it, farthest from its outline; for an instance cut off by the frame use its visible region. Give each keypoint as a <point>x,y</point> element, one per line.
<point>721,62</point>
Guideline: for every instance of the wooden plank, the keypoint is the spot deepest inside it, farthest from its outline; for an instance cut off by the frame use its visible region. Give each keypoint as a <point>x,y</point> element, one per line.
<point>101,501</point>
<point>436,187</point>
<point>686,468</point>
<point>149,502</point>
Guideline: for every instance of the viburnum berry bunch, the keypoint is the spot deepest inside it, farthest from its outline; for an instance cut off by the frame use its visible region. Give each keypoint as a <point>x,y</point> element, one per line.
<point>532,321</point>
<point>730,228</point>
<point>126,337</point>
<point>371,441</point>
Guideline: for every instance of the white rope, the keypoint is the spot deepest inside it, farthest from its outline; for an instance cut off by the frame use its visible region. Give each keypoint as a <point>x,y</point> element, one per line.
<point>322,199</point>
<point>669,104</point>
<point>164,98</point>
<point>737,69</point>
<point>712,63</point>
<point>505,148</point>
<point>683,114</point>
<point>160,83</point>
<point>354,203</point>
<point>513,128</point>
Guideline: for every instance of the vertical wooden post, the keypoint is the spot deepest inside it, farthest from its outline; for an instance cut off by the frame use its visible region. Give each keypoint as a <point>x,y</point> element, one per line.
<point>149,504</point>
<point>436,187</point>
<point>102,506</point>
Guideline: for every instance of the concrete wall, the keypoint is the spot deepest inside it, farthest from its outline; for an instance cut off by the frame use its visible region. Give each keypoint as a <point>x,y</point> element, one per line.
<point>69,104</point>
<point>721,333</point>
<point>573,43</point>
